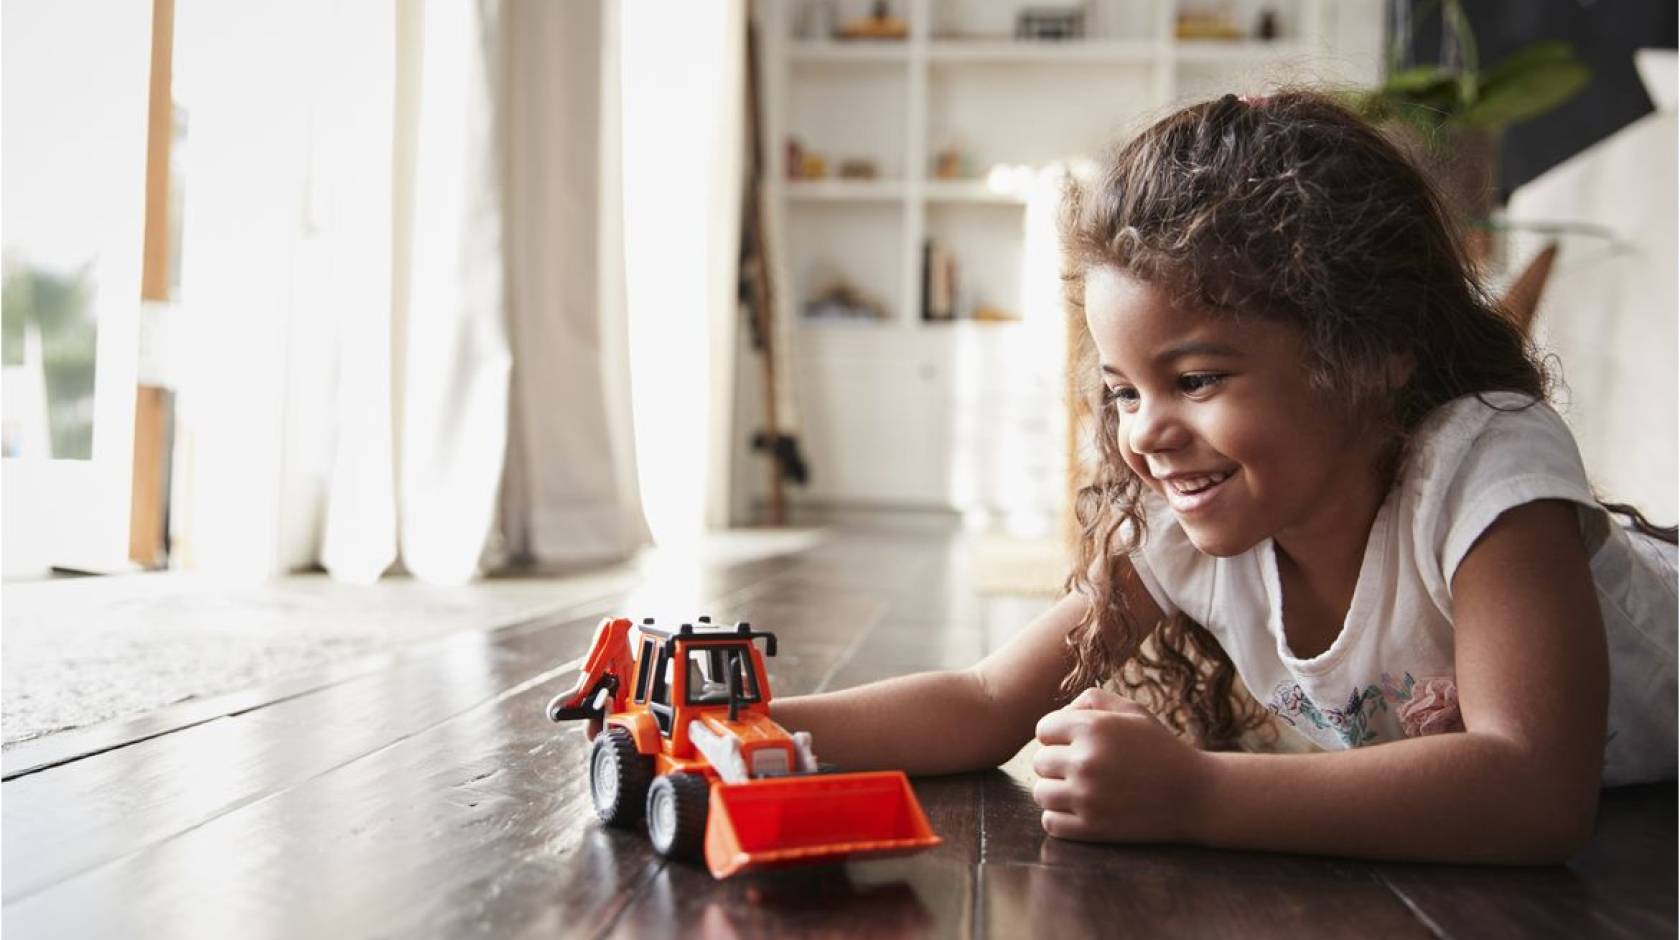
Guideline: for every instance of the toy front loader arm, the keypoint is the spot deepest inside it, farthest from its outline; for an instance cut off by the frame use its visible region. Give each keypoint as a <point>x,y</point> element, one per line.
<point>603,683</point>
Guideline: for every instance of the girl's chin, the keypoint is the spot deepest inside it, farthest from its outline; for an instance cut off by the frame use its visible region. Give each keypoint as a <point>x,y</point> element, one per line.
<point>1216,540</point>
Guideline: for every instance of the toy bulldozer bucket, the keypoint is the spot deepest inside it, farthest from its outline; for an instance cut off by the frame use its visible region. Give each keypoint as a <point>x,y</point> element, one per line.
<point>794,820</point>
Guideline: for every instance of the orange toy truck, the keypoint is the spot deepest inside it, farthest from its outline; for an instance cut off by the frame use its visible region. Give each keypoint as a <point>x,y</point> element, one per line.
<point>689,745</point>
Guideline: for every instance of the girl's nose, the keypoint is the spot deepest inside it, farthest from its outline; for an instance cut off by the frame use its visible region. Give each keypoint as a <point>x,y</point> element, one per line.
<point>1155,430</point>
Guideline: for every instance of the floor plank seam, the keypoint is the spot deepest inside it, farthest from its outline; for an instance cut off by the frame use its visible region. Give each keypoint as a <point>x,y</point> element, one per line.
<point>1428,922</point>
<point>630,897</point>
<point>598,606</point>
<point>845,658</point>
<point>129,742</point>
<point>256,798</point>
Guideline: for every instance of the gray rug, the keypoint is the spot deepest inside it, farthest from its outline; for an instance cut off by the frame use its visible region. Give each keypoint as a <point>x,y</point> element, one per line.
<point>81,651</point>
<point>75,652</point>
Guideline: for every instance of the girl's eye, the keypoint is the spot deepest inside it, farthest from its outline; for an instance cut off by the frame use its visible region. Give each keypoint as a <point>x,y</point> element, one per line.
<point>1125,396</point>
<point>1195,382</point>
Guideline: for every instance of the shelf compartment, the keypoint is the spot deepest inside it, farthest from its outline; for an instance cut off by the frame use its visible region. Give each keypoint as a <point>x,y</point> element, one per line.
<point>859,245</point>
<point>1028,113</point>
<point>843,114</point>
<point>987,241</point>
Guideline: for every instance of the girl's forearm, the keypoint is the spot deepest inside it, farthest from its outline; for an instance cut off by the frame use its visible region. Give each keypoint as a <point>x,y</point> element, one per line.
<point>927,723</point>
<point>1447,798</point>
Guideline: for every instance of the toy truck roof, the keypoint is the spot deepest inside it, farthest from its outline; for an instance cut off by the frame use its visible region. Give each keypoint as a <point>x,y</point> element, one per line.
<point>742,631</point>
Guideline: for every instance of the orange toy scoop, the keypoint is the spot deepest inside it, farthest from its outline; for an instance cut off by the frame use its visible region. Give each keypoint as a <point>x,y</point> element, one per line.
<point>795,820</point>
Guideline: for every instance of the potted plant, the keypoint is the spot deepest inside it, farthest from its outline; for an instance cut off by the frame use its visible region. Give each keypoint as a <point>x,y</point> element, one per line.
<point>1450,114</point>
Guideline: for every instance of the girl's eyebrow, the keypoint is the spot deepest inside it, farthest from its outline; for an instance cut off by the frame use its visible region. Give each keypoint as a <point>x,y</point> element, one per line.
<point>1196,347</point>
<point>1184,350</point>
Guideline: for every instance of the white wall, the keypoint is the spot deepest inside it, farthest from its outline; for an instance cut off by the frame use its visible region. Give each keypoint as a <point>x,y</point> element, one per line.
<point>1609,308</point>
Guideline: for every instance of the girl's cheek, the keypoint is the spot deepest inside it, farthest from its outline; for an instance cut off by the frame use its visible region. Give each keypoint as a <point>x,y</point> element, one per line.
<point>1133,461</point>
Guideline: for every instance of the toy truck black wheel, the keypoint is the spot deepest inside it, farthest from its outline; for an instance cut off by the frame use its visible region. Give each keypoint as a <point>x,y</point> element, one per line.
<point>676,815</point>
<point>618,777</point>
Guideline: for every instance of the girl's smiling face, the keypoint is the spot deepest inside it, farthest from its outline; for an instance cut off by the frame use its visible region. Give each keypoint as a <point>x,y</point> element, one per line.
<point>1216,415</point>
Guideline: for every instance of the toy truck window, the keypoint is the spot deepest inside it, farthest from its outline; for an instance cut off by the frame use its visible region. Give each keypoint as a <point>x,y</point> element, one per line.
<point>644,665</point>
<point>662,678</point>
<point>708,675</point>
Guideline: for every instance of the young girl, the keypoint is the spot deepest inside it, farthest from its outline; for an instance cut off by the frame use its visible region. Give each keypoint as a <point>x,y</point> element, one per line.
<point>1327,468</point>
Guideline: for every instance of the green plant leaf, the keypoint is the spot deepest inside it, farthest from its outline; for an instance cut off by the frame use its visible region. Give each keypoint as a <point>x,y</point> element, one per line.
<point>1425,96</point>
<point>1526,93</point>
<point>1418,78</point>
<point>1531,56</point>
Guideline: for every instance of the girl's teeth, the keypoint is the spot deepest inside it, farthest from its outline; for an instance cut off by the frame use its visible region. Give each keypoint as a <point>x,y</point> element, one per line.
<point>1188,485</point>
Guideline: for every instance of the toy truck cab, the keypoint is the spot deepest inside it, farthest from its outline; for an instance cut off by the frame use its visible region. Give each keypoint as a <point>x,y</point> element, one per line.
<point>706,694</point>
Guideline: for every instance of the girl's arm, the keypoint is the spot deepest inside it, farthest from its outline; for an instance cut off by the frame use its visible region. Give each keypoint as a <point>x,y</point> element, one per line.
<point>1519,785</point>
<point>947,721</point>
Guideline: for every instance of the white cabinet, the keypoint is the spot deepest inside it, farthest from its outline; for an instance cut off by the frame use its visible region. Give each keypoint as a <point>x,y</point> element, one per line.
<point>896,411</point>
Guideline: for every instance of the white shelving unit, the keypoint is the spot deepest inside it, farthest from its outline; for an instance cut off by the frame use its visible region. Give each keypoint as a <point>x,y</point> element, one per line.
<point>902,412</point>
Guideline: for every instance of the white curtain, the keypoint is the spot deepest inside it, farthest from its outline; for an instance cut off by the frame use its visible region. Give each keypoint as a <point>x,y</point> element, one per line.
<point>683,94</point>
<point>570,490</point>
<point>408,342</point>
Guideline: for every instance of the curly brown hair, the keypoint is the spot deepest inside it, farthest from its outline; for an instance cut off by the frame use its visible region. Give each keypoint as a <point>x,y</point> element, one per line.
<point>1294,209</point>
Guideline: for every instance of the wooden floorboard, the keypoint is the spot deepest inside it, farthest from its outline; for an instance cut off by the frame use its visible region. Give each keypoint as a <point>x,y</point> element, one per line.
<point>1622,885</point>
<point>91,811</point>
<point>1031,884</point>
<point>431,797</point>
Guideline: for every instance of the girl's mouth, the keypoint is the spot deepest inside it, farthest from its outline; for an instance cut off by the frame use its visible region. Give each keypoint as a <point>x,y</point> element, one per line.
<point>1191,493</point>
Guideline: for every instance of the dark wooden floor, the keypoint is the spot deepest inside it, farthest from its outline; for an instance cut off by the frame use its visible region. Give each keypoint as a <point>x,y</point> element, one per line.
<point>432,798</point>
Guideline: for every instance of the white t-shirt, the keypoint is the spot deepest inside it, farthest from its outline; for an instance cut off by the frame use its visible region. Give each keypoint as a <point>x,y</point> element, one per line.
<point>1389,672</point>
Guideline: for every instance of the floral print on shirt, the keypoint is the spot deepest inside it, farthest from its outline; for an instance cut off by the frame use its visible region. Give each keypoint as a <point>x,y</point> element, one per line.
<point>1424,707</point>
<point>1351,722</point>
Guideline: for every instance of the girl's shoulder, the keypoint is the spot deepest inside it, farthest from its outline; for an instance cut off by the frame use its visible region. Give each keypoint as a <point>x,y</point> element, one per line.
<point>1478,456</point>
<point>1490,433</point>
<point>1467,417</point>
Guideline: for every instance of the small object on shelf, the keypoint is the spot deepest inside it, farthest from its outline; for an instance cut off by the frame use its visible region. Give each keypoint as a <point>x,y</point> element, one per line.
<point>939,282</point>
<point>879,24</point>
<point>950,164</point>
<point>1268,26</point>
<point>1050,23</point>
<point>813,166</point>
<point>927,269</point>
<point>687,748</point>
<point>843,302</point>
<point>794,159</point>
<point>986,313</point>
<point>1207,24</point>
<point>858,168</point>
